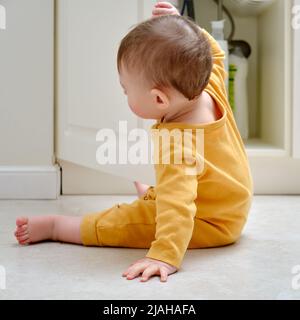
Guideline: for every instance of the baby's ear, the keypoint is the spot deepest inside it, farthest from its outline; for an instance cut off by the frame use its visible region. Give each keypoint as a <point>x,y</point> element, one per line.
<point>160,99</point>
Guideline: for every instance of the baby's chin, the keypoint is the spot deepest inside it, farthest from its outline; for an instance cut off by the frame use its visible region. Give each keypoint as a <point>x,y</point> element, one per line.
<point>146,117</point>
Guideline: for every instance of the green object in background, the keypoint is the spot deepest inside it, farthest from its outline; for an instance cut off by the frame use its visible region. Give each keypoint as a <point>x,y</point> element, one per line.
<point>232,72</point>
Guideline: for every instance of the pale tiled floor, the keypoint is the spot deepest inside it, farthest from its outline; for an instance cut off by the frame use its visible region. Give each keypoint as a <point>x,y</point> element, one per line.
<point>259,266</point>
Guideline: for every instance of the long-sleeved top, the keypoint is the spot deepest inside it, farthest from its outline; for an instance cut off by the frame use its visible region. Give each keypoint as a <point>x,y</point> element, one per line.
<point>212,184</point>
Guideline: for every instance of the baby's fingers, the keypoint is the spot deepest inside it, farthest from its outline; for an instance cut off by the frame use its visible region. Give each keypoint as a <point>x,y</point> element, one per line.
<point>134,271</point>
<point>163,4</point>
<point>158,12</point>
<point>163,274</point>
<point>151,270</point>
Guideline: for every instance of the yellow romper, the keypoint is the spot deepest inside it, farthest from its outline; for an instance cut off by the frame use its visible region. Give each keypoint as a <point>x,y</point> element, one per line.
<point>183,211</point>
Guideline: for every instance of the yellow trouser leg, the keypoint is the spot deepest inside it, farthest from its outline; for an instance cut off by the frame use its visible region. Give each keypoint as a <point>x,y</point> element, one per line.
<point>124,225</point>
<point>133,226</point>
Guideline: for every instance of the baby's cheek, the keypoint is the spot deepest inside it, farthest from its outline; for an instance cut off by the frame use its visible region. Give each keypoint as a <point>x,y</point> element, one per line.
<point>133,106</point>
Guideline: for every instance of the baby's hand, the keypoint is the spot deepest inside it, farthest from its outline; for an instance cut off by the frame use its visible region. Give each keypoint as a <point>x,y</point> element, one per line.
<point>163,8</point>
<point>149,267</point>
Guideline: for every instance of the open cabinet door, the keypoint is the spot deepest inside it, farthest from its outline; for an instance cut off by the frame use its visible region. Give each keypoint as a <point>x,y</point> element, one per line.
<point>89,97</point>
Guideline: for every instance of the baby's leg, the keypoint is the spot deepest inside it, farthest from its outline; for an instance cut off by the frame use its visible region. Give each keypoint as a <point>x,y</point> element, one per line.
<point>130,225</point>
<point>54,227</point>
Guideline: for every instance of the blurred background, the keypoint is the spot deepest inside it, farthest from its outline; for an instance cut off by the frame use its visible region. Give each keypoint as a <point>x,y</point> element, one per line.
<point>59,85</point>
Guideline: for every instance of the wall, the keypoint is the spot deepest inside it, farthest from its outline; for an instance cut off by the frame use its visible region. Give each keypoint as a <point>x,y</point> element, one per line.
<point>296,79</point>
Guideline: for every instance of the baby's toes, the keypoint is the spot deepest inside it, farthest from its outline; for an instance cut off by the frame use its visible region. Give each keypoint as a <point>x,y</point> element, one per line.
<point>23,239</point>
<point>22,229</point>
<point>24,243</point>
<point>21,221</point>
<point>21,235</point>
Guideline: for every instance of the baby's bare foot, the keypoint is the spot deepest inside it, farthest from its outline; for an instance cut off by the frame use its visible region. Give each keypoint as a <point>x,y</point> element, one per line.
<point>34,229</point>
<point>141,188</point>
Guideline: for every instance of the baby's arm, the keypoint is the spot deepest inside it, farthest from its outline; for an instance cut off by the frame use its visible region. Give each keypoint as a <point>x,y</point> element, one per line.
<point>218,71</point>
<point>176,191</point>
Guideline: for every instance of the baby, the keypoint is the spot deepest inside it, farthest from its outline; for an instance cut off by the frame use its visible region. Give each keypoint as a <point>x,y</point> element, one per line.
<point>171,71</point>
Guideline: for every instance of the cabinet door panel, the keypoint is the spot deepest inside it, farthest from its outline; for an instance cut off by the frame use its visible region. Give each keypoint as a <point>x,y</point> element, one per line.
<point>89,96</point>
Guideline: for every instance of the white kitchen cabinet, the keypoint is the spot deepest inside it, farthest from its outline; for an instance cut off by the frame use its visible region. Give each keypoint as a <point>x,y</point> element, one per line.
<point>89,97</point>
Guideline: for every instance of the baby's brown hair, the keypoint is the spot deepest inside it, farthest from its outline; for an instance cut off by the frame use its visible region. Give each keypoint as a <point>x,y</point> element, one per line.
<point>169,51</point>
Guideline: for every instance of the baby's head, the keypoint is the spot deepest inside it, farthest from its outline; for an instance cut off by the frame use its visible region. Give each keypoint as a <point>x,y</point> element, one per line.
<point>163,62</point>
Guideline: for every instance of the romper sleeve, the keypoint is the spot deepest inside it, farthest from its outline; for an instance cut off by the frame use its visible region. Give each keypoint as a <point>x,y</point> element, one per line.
<point>218,74</point>
<point>176,192</point>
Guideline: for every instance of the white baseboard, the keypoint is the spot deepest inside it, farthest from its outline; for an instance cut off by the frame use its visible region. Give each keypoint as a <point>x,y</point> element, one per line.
<point>277,175</point>
<point>29,182</point>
